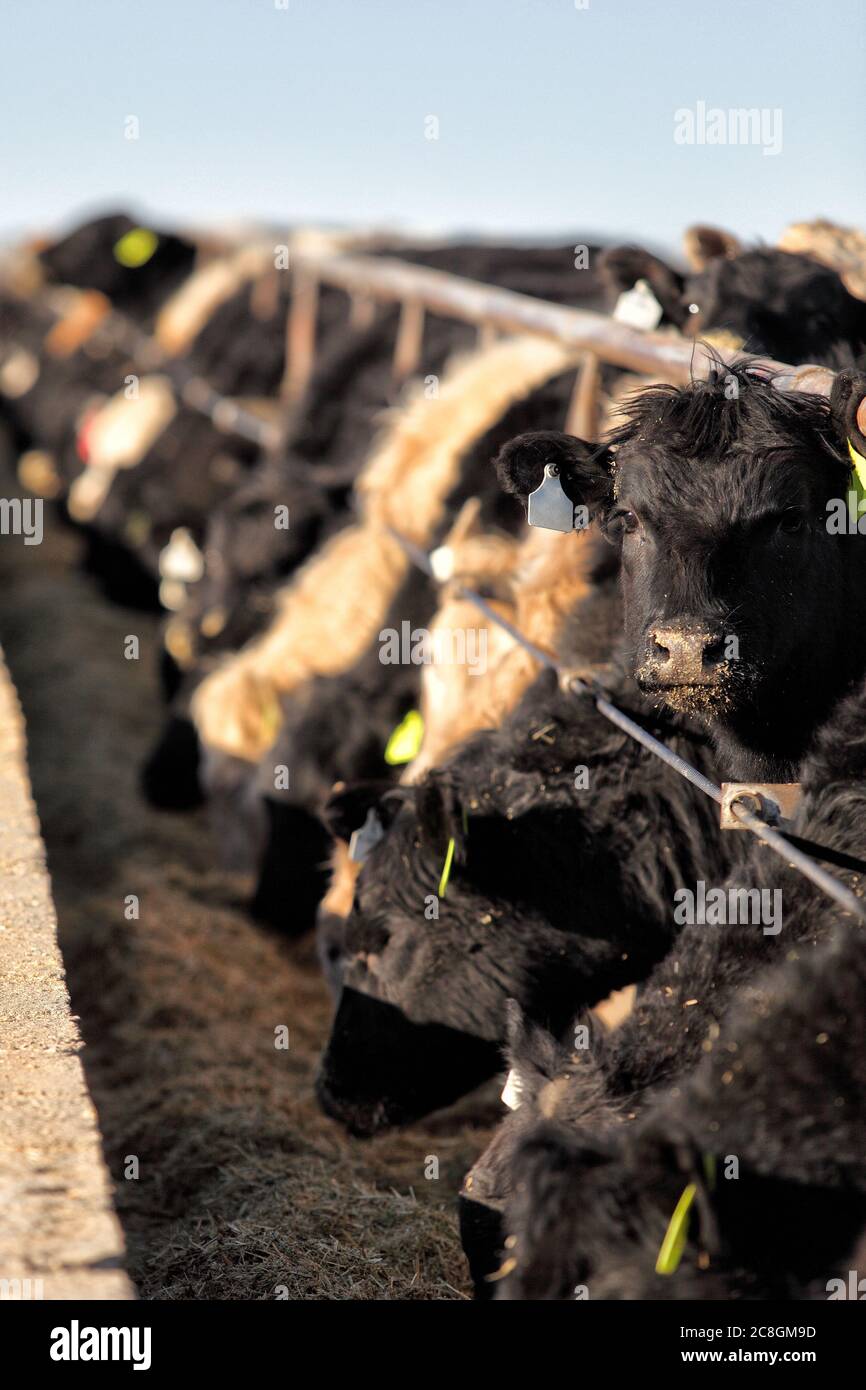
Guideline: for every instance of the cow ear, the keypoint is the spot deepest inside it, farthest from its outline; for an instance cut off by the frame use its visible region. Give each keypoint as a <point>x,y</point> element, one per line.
<point>441,815</point>
<point>348,805</point>
<point>531,1050</point>
<point>704,244</point>
<point>621,267</point>
<point>585,471</point>
<point>848,409</point>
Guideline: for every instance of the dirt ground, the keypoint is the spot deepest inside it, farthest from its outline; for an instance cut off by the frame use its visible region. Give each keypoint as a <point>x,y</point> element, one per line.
<point>243,1189</point>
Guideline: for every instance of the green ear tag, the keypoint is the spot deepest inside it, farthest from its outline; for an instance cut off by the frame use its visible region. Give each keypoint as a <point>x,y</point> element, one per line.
<point>135,247</point>
<point>405,741</point>
<point>446,871</point>
<point>674,1243</point>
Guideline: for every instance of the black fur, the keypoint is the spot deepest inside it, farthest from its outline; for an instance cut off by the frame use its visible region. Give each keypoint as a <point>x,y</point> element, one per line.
<point>717,499</point>
<point>742,1045</point>
<point>558,895</point>
<point>84,257</point>
<point>781,305</point>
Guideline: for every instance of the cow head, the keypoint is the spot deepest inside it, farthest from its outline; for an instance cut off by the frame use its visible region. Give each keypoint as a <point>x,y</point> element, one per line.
<point>404,1040</point>
<point>244,555</point>
<point>781,304</point>
<point>429,958</point>
<point>103,254</point>
<point>741,601</point>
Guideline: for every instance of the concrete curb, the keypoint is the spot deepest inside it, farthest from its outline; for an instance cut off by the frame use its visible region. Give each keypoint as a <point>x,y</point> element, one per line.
<point>59,1236</point>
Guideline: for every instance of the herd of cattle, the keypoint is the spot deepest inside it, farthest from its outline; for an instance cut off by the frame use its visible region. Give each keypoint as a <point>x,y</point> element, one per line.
<point>493,870</point>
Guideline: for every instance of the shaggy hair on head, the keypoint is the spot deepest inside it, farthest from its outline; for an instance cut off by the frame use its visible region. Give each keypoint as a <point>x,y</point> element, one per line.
<point>710,418</point>
<point>333,609</point>
<point>616,399</point>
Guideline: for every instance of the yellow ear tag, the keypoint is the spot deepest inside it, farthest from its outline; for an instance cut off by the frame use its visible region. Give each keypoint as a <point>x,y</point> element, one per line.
<point>446,871</point>
<point>674,1243</point>
<point>135,247</point>
<point>859,465</point>
<point>449,855</point>
<point>858,478</point>
<point>405,741</point>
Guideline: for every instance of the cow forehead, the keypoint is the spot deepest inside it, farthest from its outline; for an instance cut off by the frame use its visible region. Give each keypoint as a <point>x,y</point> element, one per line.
<point>759,275</point>
<point>743,482</point>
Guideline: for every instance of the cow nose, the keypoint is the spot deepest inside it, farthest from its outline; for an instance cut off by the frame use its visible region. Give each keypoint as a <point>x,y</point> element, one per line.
<point>686,654</point>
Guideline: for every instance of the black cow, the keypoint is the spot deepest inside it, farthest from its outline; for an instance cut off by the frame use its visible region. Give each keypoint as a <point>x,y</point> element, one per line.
<point>92,256</point>
<point>717,502</point>
<point>336,728</point>
<point>777,303</point>
<point>717,498</point>
<point>733,1008</point>
<point>766,1035</point>
<point>745,1046</point>
<point>781,1092</point>
<point>536,865</point>
<point>145,503</point>
<point>245,559</point>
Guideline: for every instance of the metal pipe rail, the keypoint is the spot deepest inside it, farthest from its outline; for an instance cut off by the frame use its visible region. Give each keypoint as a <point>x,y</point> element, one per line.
<point>419,289</point>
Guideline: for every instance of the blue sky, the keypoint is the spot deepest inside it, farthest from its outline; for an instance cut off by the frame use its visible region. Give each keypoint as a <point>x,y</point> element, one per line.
<point>552,118</point>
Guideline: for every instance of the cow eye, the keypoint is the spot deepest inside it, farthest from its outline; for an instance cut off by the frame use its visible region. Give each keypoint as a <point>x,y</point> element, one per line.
<point>623,523</point>
<point>694,308</point>
<point>791,521</point>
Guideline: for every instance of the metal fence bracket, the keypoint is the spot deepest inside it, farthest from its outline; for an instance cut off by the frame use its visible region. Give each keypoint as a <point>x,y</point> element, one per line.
<point>773,802</point>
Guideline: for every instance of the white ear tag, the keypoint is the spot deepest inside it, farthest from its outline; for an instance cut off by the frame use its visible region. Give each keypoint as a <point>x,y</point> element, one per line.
<point>442,563</point>
<point>548,506</point>
<point>366,838</point>
<point>181,559</point>
<point>512,1090</point>
<point>639,308</point>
